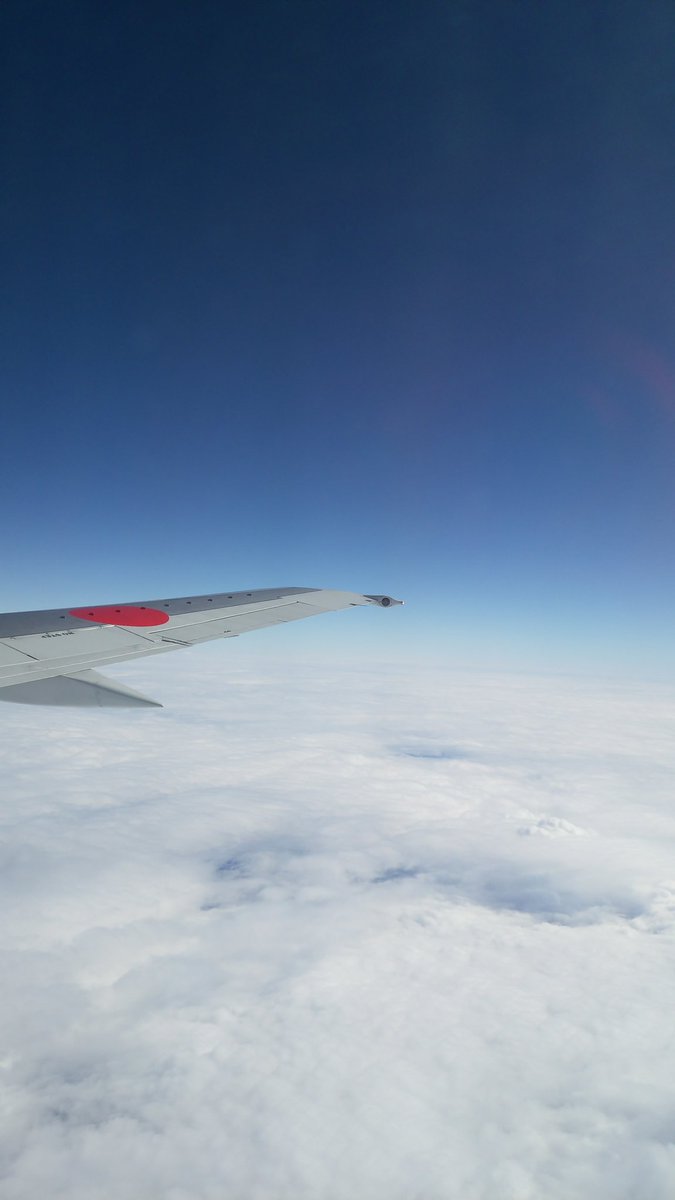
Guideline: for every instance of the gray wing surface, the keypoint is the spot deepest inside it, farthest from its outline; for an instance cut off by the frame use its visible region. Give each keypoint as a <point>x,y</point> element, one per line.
<point>50,657</point>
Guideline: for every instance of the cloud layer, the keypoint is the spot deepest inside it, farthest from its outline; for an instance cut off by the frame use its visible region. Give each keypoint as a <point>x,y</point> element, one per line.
<point>325,932</point>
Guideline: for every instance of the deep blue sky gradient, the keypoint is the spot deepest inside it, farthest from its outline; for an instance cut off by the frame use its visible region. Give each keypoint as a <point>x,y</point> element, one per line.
<point>373,296</point>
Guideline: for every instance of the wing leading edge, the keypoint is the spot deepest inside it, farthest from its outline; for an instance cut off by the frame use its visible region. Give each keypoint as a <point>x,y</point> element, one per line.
<point>49,657</point>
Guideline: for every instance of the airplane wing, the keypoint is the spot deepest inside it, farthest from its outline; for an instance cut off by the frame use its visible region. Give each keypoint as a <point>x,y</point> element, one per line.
<point>50,657</point>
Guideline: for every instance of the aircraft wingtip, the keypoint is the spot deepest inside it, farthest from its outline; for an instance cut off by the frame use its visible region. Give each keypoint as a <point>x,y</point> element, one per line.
<point>384,601</point>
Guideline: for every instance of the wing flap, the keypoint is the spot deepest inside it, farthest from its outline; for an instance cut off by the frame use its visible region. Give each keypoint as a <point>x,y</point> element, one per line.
<point>85,689</point>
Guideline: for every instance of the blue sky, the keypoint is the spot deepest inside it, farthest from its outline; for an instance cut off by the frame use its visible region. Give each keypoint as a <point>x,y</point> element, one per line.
<point>377,297</point>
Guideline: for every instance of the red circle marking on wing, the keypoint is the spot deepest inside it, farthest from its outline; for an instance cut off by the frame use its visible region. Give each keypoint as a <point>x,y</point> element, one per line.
<point>120,614</point>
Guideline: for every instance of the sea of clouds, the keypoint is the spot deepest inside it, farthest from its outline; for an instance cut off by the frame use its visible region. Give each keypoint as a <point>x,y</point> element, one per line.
<point>329,931</point>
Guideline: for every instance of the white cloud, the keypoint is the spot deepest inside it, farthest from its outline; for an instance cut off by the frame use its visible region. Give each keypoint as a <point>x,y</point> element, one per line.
<point>331,932</point>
